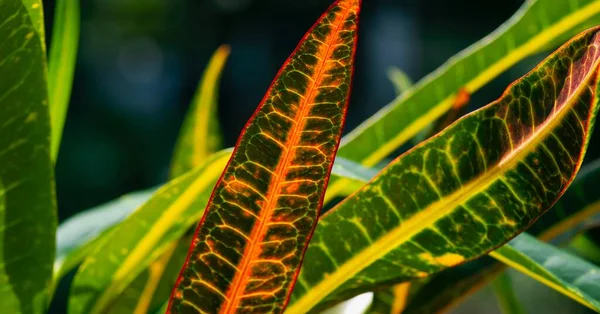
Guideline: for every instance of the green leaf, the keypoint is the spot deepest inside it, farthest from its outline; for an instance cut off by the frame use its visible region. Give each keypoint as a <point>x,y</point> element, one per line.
<point>27,200</point>
<point>400,79</point>
<point>63,55</point>
<point>566,273</point>
<point>505,294</point>
<point>200,135</point>
<point>531,30</point>
<point>574,210</point>
<point>143,237</point>
<point>489,175</point>
<point>76,235</point>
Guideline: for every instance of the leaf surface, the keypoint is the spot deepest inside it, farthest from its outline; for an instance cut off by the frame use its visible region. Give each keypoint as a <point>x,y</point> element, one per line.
<point>490,175</point>
<point>566,273</point>
<point>533,28</point>
<point>63,56</point>
<point>200,134</point>
<point>27,200</point>
<point>250,242</point>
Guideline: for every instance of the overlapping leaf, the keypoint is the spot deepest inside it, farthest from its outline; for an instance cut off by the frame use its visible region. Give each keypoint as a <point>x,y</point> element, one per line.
<point>63,55</point>
<point>535,27</point>
<point>250,242</point>
<point>27,204</point>
<point>490,175</point>
<point>566,273</point>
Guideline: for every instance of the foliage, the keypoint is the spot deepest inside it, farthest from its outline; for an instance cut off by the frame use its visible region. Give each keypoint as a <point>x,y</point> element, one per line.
<point>417,232</point>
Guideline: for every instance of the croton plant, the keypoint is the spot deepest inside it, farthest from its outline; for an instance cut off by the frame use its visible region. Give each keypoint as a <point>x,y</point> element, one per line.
<point>242,230</point>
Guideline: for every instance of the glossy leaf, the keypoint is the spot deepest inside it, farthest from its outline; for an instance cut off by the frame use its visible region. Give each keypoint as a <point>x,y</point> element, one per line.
<point>554,267</point>
<point>200,135</point>
<point>250,242</point>
<point>490,175</point>
<point>75,235</point>
<point>27,200</point>
<point>63,55</point>
<point>567,217</point>
<point>143,237</point>
<point>532,29</point>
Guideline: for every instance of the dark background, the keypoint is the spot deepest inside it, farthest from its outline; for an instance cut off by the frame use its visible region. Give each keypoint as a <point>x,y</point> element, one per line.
<point>139,62</point>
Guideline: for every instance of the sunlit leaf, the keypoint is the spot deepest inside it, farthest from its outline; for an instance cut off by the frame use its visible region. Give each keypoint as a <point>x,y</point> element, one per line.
<point>566,273</point>
<point>490,175</point>
<point>250,242</point>
<point>27,200</point>
<point>200,135</point>
<point>63,55</point>
<point>532,29</point>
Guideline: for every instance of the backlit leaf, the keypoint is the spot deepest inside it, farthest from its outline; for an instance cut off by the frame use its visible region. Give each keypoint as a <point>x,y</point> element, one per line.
<point>200,135</point>
<point>489,175</point>
<point>27,200</point>
<point>250,242</point>
<point>63,55</point>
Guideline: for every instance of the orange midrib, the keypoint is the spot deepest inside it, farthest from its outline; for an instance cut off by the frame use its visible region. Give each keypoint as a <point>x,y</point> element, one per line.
<point>240,279</point>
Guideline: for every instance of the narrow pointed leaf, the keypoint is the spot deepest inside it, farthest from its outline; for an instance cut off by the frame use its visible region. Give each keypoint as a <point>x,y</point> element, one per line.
<point>250,242</point>
<point>27,201</point>
<point>61,65</point>
<point>490,175</point>
<point>400,79</point>
<point>533,28</point>
<point>505,295</point>
<point>566,273</point>
<point>200,135</point>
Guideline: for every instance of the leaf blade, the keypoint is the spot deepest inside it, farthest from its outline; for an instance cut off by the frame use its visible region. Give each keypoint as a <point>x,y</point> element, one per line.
<point>274,182</point>
<point>26,172</point>
<point>488,181</point>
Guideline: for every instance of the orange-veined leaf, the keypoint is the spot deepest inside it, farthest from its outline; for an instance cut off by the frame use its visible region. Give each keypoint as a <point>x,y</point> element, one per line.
<point>250,242</point>
<point>464,192</point>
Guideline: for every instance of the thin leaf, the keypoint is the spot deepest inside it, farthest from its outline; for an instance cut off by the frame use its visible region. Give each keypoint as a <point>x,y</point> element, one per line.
<point>530,30</point>
<point>400,79</point>
<point>27,200</point>
<point>490,175</point>
<point>250,242</point>
<point>63,55</point>
<point>200,135</point>
<point>505,294</point>
<point>566,273</point>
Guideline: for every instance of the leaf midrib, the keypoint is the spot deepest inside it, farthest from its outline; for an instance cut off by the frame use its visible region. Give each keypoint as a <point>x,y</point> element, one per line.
<point>240,278</point>
<point>410,227</point>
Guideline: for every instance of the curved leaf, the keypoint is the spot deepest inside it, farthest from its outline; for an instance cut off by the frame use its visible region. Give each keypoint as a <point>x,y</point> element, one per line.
<point>63,56</point>
<point>554,267</point>
<point>250,242</point>
<point>200,134</point>
<point>530,30</point>
<point>27,200</point>
<point>490,175</point>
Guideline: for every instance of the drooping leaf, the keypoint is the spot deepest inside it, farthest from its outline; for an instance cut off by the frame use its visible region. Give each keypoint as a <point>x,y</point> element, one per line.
<point>566,273</point>
<point>532,29</point>
<point>567,217</point>
<point>505,295</point>
<point>75,235</point>
<point>490,175</point>
<point>63,55</point>
<point>250,242</point>
<point>143,237</point>
<point>27,200</point>
<point>200,135</point>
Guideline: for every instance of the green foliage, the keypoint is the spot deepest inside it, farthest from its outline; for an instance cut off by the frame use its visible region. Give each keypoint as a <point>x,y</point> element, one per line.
<point>456,197</point>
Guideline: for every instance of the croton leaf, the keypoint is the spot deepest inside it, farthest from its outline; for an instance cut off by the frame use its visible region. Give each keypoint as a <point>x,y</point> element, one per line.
<point>532,29</point>
<point>27,200</point>
<point>464,192</point>
<point>250,242</point>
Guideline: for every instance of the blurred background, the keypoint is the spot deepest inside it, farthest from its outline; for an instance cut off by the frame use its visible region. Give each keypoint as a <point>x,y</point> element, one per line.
<point>139,63</point>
